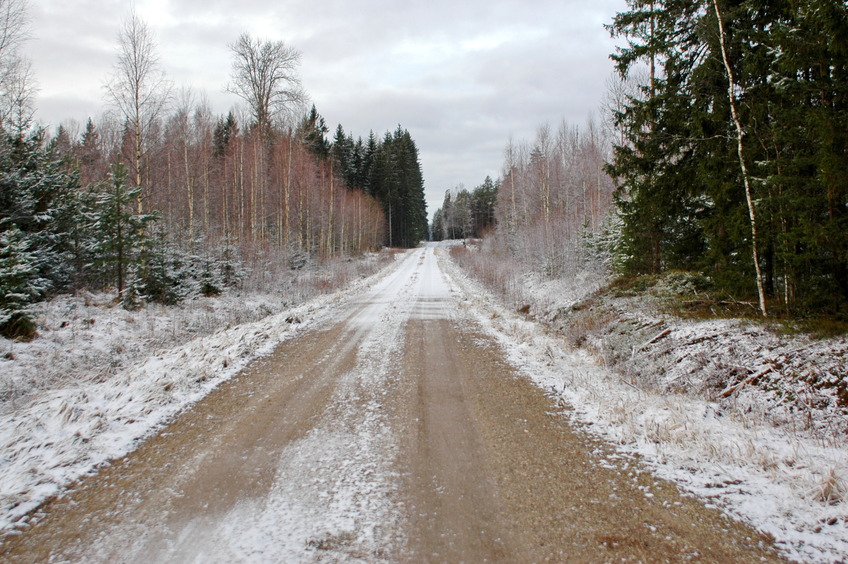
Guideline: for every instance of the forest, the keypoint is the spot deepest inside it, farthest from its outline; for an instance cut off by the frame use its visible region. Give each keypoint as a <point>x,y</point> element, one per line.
<point>723,151</point>
<point>159,199</point>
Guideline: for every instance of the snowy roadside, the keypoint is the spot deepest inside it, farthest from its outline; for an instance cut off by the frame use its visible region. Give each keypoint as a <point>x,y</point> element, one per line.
<point>788,484</point>
<point>54,434</point>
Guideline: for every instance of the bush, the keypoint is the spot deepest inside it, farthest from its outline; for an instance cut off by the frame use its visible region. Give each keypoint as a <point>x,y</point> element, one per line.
<point>20,284</point>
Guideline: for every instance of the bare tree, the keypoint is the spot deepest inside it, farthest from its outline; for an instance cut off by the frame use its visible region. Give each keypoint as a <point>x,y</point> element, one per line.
<point>17,84</point>
<point>138,88</point>
<point>265,75</point>
<point>17,96</point>
<point>14,23</point>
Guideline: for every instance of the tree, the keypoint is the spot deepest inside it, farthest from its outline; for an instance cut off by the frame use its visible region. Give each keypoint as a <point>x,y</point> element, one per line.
<point>37,197</point>
<point>139,90</point>
<point>312,132</point>
<point>118,249</point>
<point>746,178</point>
<point>347,157</point>
<point>17,99</point>
<point>483,201</point>
<point>736,149</point>
<point>264,75</point>
<point>89,154</point>
<point>17,85</point>
<point>20,284</point>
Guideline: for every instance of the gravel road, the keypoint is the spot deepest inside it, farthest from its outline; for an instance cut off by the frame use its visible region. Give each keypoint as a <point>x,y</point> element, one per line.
<point>396,433</point>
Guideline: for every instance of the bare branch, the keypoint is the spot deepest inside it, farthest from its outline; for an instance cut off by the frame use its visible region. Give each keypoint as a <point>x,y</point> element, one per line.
<point>17,84</point>
<point>264,75</point>
<point>17,98</point>
<point>14,26</point>
<point>138,88</point>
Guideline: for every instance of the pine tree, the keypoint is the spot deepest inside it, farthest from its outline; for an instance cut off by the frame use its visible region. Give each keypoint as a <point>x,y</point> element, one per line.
<point>20,284</point>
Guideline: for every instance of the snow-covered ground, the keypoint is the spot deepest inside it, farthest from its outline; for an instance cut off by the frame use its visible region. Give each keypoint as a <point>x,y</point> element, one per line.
<point>746,453</point>
<point>789,483</point>
<point>100,378</point>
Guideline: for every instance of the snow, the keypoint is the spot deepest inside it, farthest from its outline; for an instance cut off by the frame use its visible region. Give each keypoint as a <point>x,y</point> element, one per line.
<point>335,491</point>
<point>788,483</point>
<point>50,437</point>
<point>335,496</point>
<point>775,478</point>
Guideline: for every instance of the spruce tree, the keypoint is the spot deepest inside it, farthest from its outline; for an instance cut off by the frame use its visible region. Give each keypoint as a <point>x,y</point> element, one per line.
<point>741,129</point>
<point>118,249</point>
<point>20,284</point>
<point>37,196</point>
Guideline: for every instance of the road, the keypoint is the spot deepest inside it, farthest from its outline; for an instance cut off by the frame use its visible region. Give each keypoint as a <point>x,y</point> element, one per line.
<point>396,433</point>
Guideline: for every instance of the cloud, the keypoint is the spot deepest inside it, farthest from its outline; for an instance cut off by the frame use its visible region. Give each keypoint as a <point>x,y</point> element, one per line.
<point>463,77</point>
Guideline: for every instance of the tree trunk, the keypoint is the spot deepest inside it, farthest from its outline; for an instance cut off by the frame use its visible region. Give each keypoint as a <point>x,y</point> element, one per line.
<point>741,153</point>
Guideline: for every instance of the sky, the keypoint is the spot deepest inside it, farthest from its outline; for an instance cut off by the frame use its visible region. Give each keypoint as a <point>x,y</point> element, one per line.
<point>463,76</point>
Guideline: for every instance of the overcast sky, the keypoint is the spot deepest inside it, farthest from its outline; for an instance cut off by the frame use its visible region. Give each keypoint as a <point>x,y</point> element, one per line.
<point>463,76</point>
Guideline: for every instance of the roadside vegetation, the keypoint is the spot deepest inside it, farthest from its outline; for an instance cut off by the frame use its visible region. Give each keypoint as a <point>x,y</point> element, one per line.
<point>158,200</point>
<point>693,239</point>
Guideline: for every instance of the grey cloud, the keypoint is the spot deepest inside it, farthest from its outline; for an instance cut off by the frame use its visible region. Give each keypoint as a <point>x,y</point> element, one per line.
<point>461,76</point>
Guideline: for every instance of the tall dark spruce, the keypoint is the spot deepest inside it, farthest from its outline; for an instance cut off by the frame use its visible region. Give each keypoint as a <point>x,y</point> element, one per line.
<point>681,174</point>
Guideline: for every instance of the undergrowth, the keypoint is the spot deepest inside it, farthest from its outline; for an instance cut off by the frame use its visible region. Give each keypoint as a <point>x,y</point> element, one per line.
<point>692,296</point>
<point>673,333</point>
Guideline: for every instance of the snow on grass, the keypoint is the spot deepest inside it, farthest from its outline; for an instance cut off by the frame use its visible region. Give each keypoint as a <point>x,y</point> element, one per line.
<point>790,484</point>
<point>58,423</point>
<point>335,495</point>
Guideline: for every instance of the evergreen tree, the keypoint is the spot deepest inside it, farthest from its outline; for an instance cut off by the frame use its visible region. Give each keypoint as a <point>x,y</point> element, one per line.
<point>89,156</point>
<point>37,197</point>
<point>20,284</point>
<point>397,183</point>
<point>119,247</point>
<point>745,116</point>
<point>369,153</point>
<point>312,132</point>
<point>438,226</point>
<point>484,198</point>
<point>225,131</point>
<point>344,157</point>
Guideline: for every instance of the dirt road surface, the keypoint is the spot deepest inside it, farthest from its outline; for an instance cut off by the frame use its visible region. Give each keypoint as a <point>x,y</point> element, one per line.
<point>397,433</point>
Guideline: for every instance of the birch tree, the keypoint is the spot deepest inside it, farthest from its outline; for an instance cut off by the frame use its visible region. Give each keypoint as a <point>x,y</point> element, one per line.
<point>740,150</point>
<point>138,89</point>
<point>264,75</point>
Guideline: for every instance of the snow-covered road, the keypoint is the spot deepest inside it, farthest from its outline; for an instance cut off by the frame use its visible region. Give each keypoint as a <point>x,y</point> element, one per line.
<point>389,426</point>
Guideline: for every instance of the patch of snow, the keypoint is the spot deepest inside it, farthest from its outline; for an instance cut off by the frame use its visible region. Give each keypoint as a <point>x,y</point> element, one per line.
<point>772,477</point>
<point>51,437</point>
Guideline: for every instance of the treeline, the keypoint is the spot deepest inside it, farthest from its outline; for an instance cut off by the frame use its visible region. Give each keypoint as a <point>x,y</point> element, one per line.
<point>389,171</point>
<point>734,152</point>
<point>466,214</point>
<point>726,155</point>
<point>160,199</point>
<point>211,176</point>
<point>554,193</point>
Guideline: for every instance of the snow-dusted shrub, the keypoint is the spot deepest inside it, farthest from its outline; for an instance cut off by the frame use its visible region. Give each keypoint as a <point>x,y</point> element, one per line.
<point>20,284</point>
